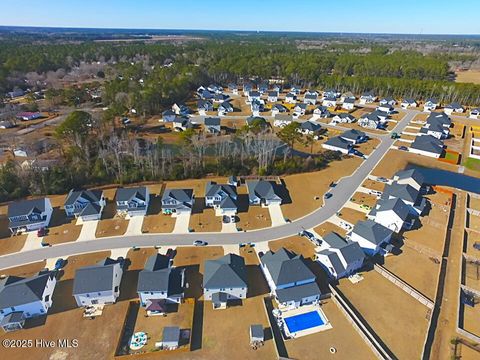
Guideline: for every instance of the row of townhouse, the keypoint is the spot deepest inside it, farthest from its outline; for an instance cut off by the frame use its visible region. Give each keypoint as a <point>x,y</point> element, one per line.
<point>429,140</point>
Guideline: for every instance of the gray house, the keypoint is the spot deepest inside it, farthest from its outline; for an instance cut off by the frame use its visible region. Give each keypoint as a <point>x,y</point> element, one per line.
<point>354,136</point>
<point>85,204</point>
<point>371,236</point>
<point>290,280</point>
<point>222,197</point>
<point>225,279</point>
<point>337,143</point>
<point>159,283</point>
<point>427,145</point>
<point>177,201</point>
<point>262,193</point>
<point>29,215</point>
<point>212,125</point>
<point>132,201</point>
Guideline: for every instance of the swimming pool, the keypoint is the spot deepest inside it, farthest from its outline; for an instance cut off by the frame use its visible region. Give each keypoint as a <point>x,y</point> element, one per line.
<point>304,321</point>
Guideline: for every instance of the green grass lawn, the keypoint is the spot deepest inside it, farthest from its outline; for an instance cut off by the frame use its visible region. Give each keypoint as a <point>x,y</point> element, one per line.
<point>453,157</point>
<point>472,164</point>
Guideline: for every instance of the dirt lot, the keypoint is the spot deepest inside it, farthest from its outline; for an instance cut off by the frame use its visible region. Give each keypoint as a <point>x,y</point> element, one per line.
<point>62,229</point>
<point>111,224</point>
<point>24,270</point>
<point>352,216</point>
<point>251,217</point>
<point>470,319</point>
<point>402,323</point>
<point>425,276</point>
<point>155,221</point>
<point>473,222</point>
<point>303,188</point>
<point>469,76</point>
<point>188,256</point>
<point>374,185</point>
<point>205,221</point>
<point>474,202</point>
<point>297,244</point>
<point>472,275</point>
<point>368,147</point>
<point>362,198</point>
<point>328,227</point>
<point>8,243</point>
<point>342,337</point>
<point>472,238</point>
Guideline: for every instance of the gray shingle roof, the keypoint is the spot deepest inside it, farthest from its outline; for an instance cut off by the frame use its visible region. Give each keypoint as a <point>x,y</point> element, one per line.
<point>334,240</point>
<point>90,209</point>
<point>334,260</point>
<point>16,291</point>
<point>171,334</point>
<point>185,196</point>
<point>352,252</point>
<point>89,195</point>
<point>212,121</point>
<point>25,207</point>
<point>372,231</point>
<point>94,278</point>
<point>338,142</point>
<point>262,189</point>
<point>310,125</point>
<point>397,205</point>
<point>412,173</point>
<point>226,272</point>
<point>297,293</point>
<point>158,276</point>
<point>127,194</point>
<point>428,143</point>
<point>286,267</point>
<point>353,134</point>
<point>401,191</point>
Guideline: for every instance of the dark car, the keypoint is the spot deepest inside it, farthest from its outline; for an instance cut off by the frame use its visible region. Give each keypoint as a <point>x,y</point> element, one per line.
<point>403,148</point>
<point>59,264</point>
<point>327,195</point>
<point>41,232</point>
<point>200,243</point>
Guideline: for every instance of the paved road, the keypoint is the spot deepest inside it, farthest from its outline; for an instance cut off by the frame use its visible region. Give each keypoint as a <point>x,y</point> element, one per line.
<point>341,194</point>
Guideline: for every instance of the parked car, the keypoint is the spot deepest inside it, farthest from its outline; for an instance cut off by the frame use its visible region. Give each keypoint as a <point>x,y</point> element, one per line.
<point>327,195</point>
<point>41,232</point>
<point>59,264</point>
<point>403,148</point>
<point>365,207</point>
<point>228,219</point>
<point>200,243</point>
<point>382,179</point>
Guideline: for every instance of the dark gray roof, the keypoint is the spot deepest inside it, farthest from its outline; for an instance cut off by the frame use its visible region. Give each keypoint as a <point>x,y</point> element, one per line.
<point>25,207</point>
<point>158,276</point>
<point>181,195</point>
<point>292,95</point>
<point>90,209</point>
<point>212,121</point>
<point>412,173</point>
<point>297,293</point>
<point>13,318</point>
<point>285,267</point>
<point>226,272</point>
<point>94,278</point>
<point>262,189</point>
<point>171,334</point>
<point>409,100</point>
<point>273,93</point>
<point>330,98</point>
<point>397,205</point>
<point>334,260</point>
<point>353,134</point>
<point>372,231</point>
<point>93,196</point>
<point>301,106</point>
<point>127,194</point>
<point>254,94</point>
<point>227,202</point>
<point>16,291</point>
<point>427,143</point>
<point>311,97</point>
<point>401,191</point>
<point>349,100</point>
<point>310,125</point>
<point>338,142</point>
<point>352,252</point>
<point>279,107</point>
<point>256,331</point>
<point>334,240</point>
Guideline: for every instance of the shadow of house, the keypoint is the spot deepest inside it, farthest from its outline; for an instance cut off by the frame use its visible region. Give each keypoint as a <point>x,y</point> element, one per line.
<point>197,326</point>
<point>321,276</point>
<point>257,284</point>
<point>59,218</point>
<point>110,209</point>
<point>282,191</point>
<point>243,203</point>
<point>63,299</point>
<point>35,322</point>
<point>198,205</point>
<point>155,204</point>
<point>159,129</point>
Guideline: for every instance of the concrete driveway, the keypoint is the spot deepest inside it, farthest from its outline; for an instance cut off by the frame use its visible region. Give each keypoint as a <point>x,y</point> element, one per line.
<point>88,230</point>
<point>135,225</point>
<point>181,223</point>
<point>229,227</point>
<point>33,242</point>
<point>276,215</point>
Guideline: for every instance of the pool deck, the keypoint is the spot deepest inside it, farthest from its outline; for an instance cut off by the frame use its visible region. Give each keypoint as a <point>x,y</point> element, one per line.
<point>304,310</point>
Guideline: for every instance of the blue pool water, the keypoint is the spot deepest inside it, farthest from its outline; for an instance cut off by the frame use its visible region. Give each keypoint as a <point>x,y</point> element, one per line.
<point>303,321</point>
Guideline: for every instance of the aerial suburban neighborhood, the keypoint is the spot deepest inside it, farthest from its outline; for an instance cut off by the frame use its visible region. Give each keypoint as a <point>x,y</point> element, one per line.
<point>238,195</point>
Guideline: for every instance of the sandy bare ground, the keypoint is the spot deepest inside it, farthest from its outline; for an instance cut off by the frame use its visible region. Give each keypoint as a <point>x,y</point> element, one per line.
<point>469,76</point>
<point>328,227</point>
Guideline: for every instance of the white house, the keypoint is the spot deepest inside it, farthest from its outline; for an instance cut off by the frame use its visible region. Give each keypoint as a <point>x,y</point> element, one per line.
<point>300,109</point>
<point>310,99</point>
<point>367,98</point>
<point>354,136</point>
<point>453,108</point>
<point>29,215</point>
<point>25,298</point>
<point>178,201</point>
<point>430,105</point>
<point>290,281</point>
<point>272,96</point>
<point>427,145</point>
<point>408,103</point>
<point>348,104</point>
<point>388,109</point>
<point>291,98</point>
<point>388,101</point>
<point>204,106</point>
<point>132,201</point>
<point>277,109</point>
<point>98,284</point>
<point>339,257</point>
<point>408,194</point>
<point>393,214</point>
<point>225,279</point>
<point>329,102</point>
<point>222,197</point>
<point>263,193</point>
<point>233,88</point>
<point>344,118</point>
<point>371,236</point>
<point>412,177</point>
<point>474,113</point>
<point>212,125</point>
<point>85,204</point>
<point>254,95</point>
<point>338,144</point>
<point>282,120</point>
<point>309,128</point>
<point>321,112</point>
<point>224,108</point>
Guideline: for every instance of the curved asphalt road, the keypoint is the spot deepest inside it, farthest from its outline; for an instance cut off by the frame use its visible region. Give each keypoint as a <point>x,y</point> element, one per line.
<point>341,194</point>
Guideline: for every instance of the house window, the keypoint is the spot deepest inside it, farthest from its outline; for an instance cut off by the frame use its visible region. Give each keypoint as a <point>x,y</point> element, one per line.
<point>42,311</point>
<point>88,295</point>
<point>47,298</point>
<point>12,308</point>
<point>116,288</point>
<point>94,302</point>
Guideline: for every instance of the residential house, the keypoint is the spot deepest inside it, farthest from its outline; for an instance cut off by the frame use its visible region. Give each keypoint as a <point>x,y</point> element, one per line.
<point>296,89</point>
<point>344,118</point>
<point>247,88</point>
<point>181,124</point>
<point>329,102</point>
<point>348,104</point>
<point>224,108</point>
<point>15,93</point>
<point>220,98</point>
<point>263,193</point>
<point>256,121</point>
<point>257,106</point>
<point>290,280</point>
<point>282,120</point>
<point>225,279</point>
<point>204,106</point>
<point>321,112</point>
<point>388,109</point>
<point>312,92</point>
<point>272,96</point>
<point>27,116</point>
<point>374,120</point>
<point>291,98</point>
<point>371,236</point>
<point>474,113</point>
<point>263,88</point>
<point>427,145</point>
<point>6,124</point>
<point>277,109</point>
<point>339,257</point>
<point>430,105</point>
<point>178,201</point>
<point>354,136</point>
<point>206,95</point>
<point>222,197</point>
<point>181,110</point>
<point>233,181</point>
<point>310,99</point>
<point>388,101</point>
<point>300,109</point>
<point>347,95</point>
<point>437,125</point>
<point>254,95</point>
<point>214,88</point>
<point>233,88</point>
<point>171,337</point>
<point>453,108</point>
<point>408,194</point>
<point>25,298</point>
<point>98,284</point>
<point>393,214</point>
<point>132,201</point>
<point>29,215</point>
<point>85,204</point>
<point>367,98</point>
<point>277,88</point>
<point>310,128</point>
<point>338,144</point>
<point>160,284</point>
<point>212,125</point>
<point>168,116</point>
<point>331,93</point>
<point>408,102</point>
<point>412,177</point>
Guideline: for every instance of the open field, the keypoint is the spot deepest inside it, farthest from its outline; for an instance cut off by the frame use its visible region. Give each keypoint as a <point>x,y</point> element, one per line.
<point>251,217</point>
<point>473,222</point>
<point>303,188</point>
<point>352,216</point>
<point>62,229</point>
<point>189,256</point>
<point>374,185</point>
<point>472,275</point>
<point>342,337</point>
<point>328,227</point>
<point>469,76</point>
<point>155,221</point>
<point>425,276</point>
<point>205,221</point>
<point>470,319</point>
<point>473,238</point>
<point>402,322</point>
<point>368,146</point>
<point>362,198</point>
<point>474,202</point>
<point>298,244</point>
<point>25,270</point>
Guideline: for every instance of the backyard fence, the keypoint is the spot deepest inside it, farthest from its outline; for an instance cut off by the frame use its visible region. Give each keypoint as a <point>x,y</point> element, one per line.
<point>380,351</point>
<point>404,286</point>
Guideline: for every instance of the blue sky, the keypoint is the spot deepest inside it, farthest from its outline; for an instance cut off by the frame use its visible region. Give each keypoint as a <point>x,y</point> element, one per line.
<point>406,16</point>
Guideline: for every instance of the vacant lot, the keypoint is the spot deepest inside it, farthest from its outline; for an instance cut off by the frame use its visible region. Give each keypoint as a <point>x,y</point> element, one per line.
<point>470,319</point>
<point>474,202</point>
<point>473,238</point>
<point>425,276</point>
<point>251,217</point>
<point>155,221</point>
<point>62,229</point>
<point>474,222</point>
<point>472,274</point>
<point>299,245</point>
<point>368,147</point>
<point>342,337</point>
<point>328,227</point>
<point>352,216</point>
<point>362,198</point>
<point>469,76</point>
<point>374,185</point>
<point>24,270</point>
<point>306,190</point>
<point>402,321</point>
<point>189,256</point>
<point>111,224</point>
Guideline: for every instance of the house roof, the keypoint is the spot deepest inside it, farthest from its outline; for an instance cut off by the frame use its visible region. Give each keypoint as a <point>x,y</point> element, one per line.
<point>353,134</point>
<point>301,106</point>
<point>96,278</point>
<point>334,240</point>
<point>16,291</point>
<point>297,293</point>
<point>428,143</point>
<point>157,275</point>
<point>92,196</point>
<point>127,194</point>
<point>334,260</point>
<point>226,272</point>
<point>414,174</point>
<point>212,121</point>
<point>311,97</point>
<point>349,100</point>
<point>338,142</point>
<point>25,207</point>
<point>401,191</point>
<point>330,98</point>
<point>279,107</point>
<point>409,101</point>
<point>291,95</point>
<point>372,231</point>
<point>352,252</point>
<point>254,94</point>
<point>285,267</point>
<point>273,93</point>
<point>397,205</point>
<point>171,334</point>
<point>262,189</point>
<point>310,125</point>
<point>181,195</point>
<point>90,209</point>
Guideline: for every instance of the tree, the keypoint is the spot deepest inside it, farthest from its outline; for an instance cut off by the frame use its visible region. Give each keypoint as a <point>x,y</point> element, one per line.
<point>289,134</point>
<point>75,128</point>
